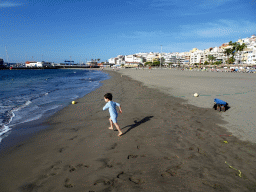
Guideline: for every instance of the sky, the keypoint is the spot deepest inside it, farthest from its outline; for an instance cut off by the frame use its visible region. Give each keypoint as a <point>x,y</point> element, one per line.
<point>81,30</point>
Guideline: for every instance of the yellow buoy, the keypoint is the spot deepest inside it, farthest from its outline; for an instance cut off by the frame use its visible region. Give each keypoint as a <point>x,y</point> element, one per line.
<point>73,102</point>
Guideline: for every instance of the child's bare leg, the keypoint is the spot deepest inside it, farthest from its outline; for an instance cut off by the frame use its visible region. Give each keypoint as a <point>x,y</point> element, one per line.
<point>111,124</point>
<point>118,128</point>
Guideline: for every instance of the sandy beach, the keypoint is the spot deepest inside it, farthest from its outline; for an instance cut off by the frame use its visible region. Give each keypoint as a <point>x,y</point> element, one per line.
<point>238,89</point>
<point>171,142</point>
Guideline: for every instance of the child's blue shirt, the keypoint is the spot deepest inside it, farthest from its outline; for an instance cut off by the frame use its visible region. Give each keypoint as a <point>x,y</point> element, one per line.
<point>111,106</point>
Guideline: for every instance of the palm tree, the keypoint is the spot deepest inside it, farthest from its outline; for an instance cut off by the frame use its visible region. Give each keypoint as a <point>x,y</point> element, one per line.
<point>235,47</point>
<point>240,48</point>
<point>211,57</point>
<point>228,52</point>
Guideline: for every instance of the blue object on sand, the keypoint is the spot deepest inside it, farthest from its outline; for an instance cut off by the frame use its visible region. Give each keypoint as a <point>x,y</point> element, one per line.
<point>219,102</point>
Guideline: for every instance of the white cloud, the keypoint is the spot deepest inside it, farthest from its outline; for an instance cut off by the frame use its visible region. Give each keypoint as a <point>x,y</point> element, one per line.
<point>188,3</point>
<point>187,46</point>
<point>216,29</point>
<point>147,34</point>
<point>163,3</point>
<point>213,3</point>
<point>9,4</point>
<point>220,28</point>
<point>200,35</point>
<point>150,33</point>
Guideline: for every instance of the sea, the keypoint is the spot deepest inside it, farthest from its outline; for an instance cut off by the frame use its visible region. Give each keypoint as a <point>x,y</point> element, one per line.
<point>33,95</point>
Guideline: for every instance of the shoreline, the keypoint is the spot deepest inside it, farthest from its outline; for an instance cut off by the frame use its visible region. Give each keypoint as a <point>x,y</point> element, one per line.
<point>166,145</point>
<point>24,130</point>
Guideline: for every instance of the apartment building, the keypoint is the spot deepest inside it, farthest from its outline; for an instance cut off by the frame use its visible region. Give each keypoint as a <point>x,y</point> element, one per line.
<point>151,57</point>
<point>120,59</point>
<point>112,60</point>
<point>183,58</point>
<point>245,55</point>
<point>143,55</point>
<point>170,58</point>
<point>133,59</point>
<point>195,55</point>
<point>251,58</point>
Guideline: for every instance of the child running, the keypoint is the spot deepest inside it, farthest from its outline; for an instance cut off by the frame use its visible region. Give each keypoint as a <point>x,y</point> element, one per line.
<point>111,106</point>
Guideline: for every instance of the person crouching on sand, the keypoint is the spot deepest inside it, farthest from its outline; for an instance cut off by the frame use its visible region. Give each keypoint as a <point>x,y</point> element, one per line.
<point>111,106</point>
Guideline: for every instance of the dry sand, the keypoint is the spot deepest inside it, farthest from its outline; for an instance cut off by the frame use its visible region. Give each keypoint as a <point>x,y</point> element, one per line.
<point>238,89</point>
<point>167,146</point>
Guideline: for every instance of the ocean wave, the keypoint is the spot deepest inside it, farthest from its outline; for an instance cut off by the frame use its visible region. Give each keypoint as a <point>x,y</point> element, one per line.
<point>21,107</point>
<point>3,131</point>
<point>10,115</point>
<point>32,97</point>
<point>32,119</point>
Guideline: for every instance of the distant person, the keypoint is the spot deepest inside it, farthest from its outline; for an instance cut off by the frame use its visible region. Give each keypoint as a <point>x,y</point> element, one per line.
<point>111,106</point>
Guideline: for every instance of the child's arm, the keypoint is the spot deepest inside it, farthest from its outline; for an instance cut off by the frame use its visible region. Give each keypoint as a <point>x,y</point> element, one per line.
<point>105,107</point>
<point>120,109</point>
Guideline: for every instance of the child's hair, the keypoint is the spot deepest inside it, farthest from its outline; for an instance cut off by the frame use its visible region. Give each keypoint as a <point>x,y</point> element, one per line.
<point>108,96</point>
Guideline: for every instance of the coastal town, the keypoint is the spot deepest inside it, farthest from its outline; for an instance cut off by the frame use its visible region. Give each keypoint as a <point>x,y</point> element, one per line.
<point>242,53</point>
<point>233,55</point>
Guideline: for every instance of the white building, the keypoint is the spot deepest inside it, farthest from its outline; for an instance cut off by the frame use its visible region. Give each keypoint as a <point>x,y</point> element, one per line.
<point>112,60</point>
<point>144,55</point>
<point>183,58</point>
<point>251,58</point>
<point>133,59</point>
<point>38,64</point>
<point>151,57</point>
<point>120,59</point>
<point>196,56</point>
<point>170,58</point>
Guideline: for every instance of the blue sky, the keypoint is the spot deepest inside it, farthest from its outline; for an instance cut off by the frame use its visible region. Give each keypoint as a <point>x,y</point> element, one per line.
<point>84,29</point>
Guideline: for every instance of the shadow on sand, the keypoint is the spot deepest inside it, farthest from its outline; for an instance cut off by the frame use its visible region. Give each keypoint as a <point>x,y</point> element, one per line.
<point>137,123</point>
<point>226,107</point>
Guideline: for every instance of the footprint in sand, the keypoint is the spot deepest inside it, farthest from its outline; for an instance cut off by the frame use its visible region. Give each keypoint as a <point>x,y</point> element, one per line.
<point>52,170</point>
<point>133,178</point>
<point>103,182</point>
<point>67,183</point>
<point>106,163</point>
<point>73,138</point>
<point>62,149</point>
<point>113,146</point>
<point>49,172</point>
<point>132,156</point>
<point>136,180</point>
<point>172,171</point>
<point>72,168</point>
<point>28,187</point>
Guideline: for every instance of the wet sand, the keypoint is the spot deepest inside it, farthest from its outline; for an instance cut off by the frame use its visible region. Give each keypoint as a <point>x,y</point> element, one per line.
<point>168,145</point>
